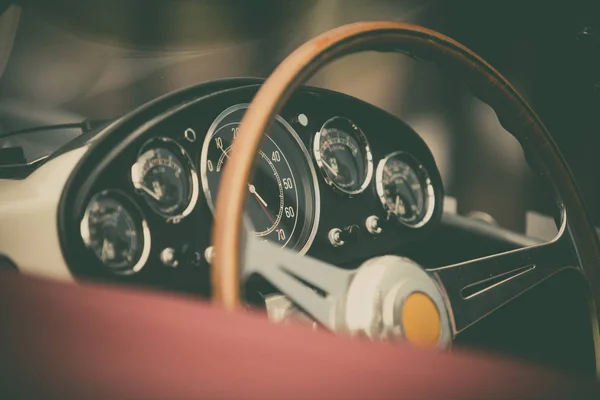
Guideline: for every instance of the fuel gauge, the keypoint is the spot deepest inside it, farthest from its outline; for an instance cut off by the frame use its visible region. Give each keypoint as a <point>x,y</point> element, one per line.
<point>164,175</point>
<point>342,152</point>
<point>114,230</point>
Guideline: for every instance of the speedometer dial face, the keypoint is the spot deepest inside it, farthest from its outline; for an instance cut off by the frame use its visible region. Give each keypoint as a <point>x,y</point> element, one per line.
<point>282,195</point>
<point>343,154</point>
<point>165,177</point>
<point>405,190</point>
<point>114,230</point>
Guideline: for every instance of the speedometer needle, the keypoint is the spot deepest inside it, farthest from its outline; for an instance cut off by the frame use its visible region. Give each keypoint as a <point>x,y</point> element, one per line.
<point>258,196</point>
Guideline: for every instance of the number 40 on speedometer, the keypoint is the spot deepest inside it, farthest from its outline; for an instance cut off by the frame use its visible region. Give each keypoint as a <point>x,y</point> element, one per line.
<point>283,192</point>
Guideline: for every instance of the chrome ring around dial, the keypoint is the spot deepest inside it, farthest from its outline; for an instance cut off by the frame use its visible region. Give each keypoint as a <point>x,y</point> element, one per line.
<point>343,155</point>
<point>405,189</point>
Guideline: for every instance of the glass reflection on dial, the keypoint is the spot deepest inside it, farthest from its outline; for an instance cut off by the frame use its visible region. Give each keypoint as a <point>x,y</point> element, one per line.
<point>342,153</point>
<point>405,190</point>
<point>165,177</point>
<point>114,230</point>
<point>282,194</point>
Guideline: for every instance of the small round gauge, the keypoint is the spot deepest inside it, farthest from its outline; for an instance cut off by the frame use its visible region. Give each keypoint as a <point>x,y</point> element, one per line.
<point>282,194</point>
<point>405,189</point>
<point>164,175</point>
<point>114,230</point>
<point>342,153</point>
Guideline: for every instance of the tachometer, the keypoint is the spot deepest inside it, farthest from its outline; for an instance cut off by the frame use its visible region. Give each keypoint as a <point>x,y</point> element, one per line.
<point>405,190</point>
<point>283,193</point>
<point>343,154</point>
<point>114,230</point>
<point>164,175</point>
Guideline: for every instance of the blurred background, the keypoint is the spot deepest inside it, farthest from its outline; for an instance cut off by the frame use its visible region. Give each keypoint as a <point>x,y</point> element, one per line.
<point>64,61</point>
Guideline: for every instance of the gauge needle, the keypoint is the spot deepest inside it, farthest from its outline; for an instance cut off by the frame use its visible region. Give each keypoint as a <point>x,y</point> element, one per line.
<point>262,203</point>
<point>107,252</point>
<point>335,174</point>
<point>400,210</point>
<point>258,196</point>
<point>223,151</point>
<point>150,192</point>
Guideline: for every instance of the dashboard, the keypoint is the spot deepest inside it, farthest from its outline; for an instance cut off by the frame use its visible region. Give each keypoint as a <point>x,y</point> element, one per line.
<point>335,177</point>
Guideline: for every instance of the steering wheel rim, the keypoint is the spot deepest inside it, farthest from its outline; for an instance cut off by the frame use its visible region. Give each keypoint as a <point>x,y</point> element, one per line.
<point>513,112</point>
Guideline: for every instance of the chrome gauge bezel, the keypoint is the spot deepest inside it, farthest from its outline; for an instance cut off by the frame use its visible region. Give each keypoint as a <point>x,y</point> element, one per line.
<point>312,171</point>
<point>424,177</point>
<point>136,176</point>
<point>131,207</point>
<point>361,139</point>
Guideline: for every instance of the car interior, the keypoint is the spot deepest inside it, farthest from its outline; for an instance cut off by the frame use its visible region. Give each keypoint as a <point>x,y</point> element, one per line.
<point>285,199</point>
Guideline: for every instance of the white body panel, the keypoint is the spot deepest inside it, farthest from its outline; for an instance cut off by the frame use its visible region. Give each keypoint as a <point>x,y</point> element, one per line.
<point>28,218</point>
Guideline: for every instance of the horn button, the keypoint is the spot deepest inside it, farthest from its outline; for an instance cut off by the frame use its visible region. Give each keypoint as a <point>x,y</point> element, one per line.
<point>393,297</point>
<point>388,298</point>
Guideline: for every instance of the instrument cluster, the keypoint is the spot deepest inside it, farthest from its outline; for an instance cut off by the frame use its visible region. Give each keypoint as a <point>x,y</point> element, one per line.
<point>334,177</point>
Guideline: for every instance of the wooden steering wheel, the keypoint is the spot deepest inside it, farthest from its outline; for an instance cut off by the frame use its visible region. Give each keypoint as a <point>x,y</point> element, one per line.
<point>170,347</point>
<point>427,308</point>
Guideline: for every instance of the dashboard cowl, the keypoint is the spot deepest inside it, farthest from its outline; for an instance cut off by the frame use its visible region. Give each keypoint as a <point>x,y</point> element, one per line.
<point>114,149</point>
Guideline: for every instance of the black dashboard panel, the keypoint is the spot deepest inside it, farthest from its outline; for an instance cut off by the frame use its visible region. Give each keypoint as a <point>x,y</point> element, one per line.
<point>108,164</point>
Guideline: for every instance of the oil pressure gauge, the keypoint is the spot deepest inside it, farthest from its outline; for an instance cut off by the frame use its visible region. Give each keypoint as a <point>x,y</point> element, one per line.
<point>342,152</point>
<point>405,190</point>
<point>164,175</point>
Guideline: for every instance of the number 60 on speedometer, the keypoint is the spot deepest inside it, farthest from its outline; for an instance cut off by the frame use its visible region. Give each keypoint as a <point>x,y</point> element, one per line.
<point>282,194</point>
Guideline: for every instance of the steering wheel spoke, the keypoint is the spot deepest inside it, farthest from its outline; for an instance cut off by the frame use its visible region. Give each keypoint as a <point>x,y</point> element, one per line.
<point>316,287</point>
<point>476,288</point>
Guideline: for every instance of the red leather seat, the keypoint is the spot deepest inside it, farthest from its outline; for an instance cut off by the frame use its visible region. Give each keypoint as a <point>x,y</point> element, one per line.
<point>87,341</point>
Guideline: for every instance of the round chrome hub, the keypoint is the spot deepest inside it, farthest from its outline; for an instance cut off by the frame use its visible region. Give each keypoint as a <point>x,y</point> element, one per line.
<point>393,297</point>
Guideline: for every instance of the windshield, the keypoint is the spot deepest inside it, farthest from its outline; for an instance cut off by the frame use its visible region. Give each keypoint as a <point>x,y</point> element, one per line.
<point>72,60</point>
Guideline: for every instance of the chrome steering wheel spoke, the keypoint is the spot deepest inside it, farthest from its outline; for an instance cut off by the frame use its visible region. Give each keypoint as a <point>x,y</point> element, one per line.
<point>317,287</point>
<point>476,288</point>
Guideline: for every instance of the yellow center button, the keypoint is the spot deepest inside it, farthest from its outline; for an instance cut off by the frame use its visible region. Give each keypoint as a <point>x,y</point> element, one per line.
<point>421,321</point>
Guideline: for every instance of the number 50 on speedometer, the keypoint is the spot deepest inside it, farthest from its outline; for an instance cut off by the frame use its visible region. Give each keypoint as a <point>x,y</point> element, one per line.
<point>282,194</point>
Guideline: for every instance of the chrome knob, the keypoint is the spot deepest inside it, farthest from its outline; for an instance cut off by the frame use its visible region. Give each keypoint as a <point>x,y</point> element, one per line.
<point>167,256</point>
<point>335,237</point>
<point>372,224</point>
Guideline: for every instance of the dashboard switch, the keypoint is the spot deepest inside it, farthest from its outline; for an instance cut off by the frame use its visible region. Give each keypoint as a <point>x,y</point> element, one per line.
<point>335,237</point>
<point>338,237</point>
<point>209,254</point>
<point>302,119</point>
<point>373,226</point>
<point>350,233</point>
<point>190,135</point>
<point>167,256</point>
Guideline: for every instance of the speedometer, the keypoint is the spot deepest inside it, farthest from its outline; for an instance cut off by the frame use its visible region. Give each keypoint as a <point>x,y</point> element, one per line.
<point>283,193</point>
